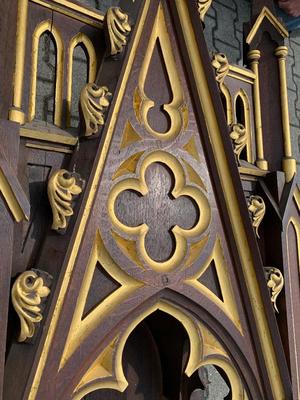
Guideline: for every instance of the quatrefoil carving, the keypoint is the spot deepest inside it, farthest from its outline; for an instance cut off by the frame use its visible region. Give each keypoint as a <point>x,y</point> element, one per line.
<point>180,188</point>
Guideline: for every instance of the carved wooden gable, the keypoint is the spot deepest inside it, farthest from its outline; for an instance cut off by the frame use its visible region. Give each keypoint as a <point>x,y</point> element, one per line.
<point>162,274</point>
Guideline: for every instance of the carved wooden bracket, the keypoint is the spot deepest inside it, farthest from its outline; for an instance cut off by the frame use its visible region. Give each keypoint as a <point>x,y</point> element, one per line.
<point>117,28</point>
<point>93,103</point>
<point>27,295</point>
<point>63,186</point>
<point>257,209</point>
<point>275,282</point>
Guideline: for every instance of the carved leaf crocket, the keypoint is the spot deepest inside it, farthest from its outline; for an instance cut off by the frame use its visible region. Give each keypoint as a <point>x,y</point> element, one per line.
<point>27,293</point>
<point>117,29</point>
<point>94,101</point>
<point>63,186</point>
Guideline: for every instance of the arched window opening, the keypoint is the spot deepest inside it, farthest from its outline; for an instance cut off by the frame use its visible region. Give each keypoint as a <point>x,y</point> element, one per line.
<point>240,110</point>
<point>242,116</point>
<point>80,77</point>
<point>45,102</point>
<point>154,361</point>
<point>227,103</point>
<point>46,78</point>
<point>82,68</point>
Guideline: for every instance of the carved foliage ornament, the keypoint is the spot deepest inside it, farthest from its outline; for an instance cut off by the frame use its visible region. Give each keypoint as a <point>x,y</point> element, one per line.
<point>203,7</point>
<point>239,138</point>
<point>275,282</point>
<point>117,29</point>
<point>62,187</point>
<point>221,66</point>
<point>257,209</point>
<point>27,293</point>
<point>94,101</point>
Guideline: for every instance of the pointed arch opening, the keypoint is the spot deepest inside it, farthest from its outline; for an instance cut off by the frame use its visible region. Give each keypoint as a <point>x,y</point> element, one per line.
<point>45,102</point>
<point>82,67</point>
<point>180,347</point>
<point>242,116</point>
<point>154,371</point>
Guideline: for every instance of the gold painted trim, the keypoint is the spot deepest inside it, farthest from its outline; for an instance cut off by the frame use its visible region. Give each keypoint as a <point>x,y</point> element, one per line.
<point>11,199</point>
<point>245,253</point>
<point>238,77</point>
<point>227,95</point>
<point>228,305</point>
<point>266,13</point>
<point>94,186</point>
<point>241,71</point>
<point>49,148</point>
<point>253,58</point>
<point>48,136</point>
<point>39,30</point>
<point>15,113</point>
<point>72,9</point>
<point>288,163</point>
<point>176,109</point>
<point>80,38</point>
<point>81,327</point>
<point>252,171</point>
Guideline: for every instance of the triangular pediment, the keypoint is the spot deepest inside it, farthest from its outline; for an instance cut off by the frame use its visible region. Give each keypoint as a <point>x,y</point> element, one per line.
<point>165,217</point>
<point>266,14</point>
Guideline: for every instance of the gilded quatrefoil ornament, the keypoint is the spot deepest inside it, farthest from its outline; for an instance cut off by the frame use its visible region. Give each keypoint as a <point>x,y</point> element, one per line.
<point>182,236</point>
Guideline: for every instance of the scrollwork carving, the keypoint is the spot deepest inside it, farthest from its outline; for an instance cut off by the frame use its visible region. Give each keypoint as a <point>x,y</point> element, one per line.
<point>117,29</point>
<point>94,101</point>
<point>27,294</point>
<point>257,209</point>
<point>221,66</point>
<point>203,7</point>
<point>63,186</point>
<point>239,138</point>
<point>275,282</point>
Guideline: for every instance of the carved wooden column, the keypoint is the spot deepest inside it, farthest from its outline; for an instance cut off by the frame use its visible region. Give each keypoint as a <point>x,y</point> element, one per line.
<point>254,57</point>
<point>289,163</point>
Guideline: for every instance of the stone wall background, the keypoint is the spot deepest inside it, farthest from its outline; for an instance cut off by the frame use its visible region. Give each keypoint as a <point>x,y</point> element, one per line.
<point>224,33</point>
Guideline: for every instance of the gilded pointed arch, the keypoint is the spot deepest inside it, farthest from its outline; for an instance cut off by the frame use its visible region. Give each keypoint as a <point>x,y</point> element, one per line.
<point>80,40</point>
<point>47,26</point>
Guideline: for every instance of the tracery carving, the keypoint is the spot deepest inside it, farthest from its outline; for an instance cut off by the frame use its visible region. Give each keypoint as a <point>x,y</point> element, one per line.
<point>117,29</point>
<point>94,101</point>
<point>275,282</point>
<point>257,209</point>
<point>63,186</point>
<point>203,7</point>
<point>239,138</point>
<point>27,294</point>
<point>221,66</point>
<point>138,233</point>
<point>176,109</point>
